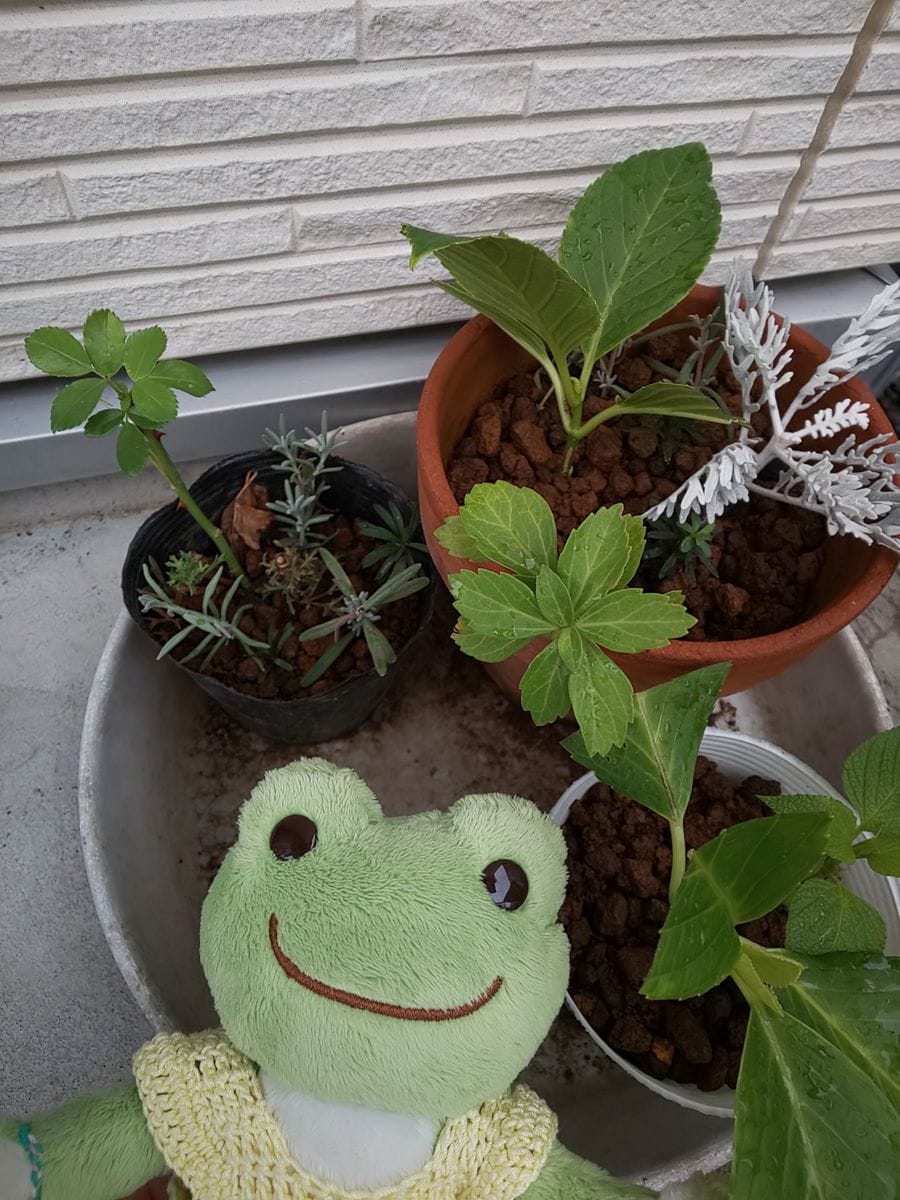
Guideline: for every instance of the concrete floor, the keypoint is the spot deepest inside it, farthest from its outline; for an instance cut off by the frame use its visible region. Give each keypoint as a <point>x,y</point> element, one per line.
<point>67,1019</point>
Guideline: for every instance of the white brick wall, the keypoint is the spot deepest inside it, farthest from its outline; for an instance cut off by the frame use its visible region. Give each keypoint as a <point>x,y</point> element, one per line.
<point>238,170</point>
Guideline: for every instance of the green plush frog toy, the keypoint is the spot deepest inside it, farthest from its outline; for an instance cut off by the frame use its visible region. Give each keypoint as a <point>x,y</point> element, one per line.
<point>380,983</point>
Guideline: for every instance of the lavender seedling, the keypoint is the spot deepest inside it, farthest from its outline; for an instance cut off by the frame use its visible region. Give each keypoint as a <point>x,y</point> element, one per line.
<point>186,570</point>
<point>400,549</point>
<point>306,465</point>
<point>682,545</point>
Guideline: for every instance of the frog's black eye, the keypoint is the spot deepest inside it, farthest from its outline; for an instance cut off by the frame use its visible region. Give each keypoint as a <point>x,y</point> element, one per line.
<point>293,837</point>
<point>507,884</point>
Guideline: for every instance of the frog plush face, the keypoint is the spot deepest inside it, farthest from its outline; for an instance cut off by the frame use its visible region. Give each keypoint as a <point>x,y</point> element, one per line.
<point>408,964</point>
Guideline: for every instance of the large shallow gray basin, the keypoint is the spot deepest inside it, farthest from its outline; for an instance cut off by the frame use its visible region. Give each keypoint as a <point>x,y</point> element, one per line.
<point>163,773</point>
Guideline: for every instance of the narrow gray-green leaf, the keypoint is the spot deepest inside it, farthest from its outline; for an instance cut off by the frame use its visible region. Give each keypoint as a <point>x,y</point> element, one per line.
<point>826,918</point>
<point>104,340</point>
<point>809,1123</point>
<point>511,526</point>
<point>596,555</point>
<point>842,829</point>
<point>453,537</point>
<point>379,647</point>
<point>872,782</point>
<point>143,349</point>
<point>553,598</point>
<point>602,700</point>
<point>73,404</point>
<point>630,620</point>
<point>56,352</point>
<point>655,765</point>
<point>423,242</point>
<point>154,400</point>
<point>104,422</point>
<point>499,605</point>
<point>544,687</point>
<point>131,449</point>
<point>487,647</point>
<point>640,236</point>
<point>183,376</point>
<point>674,400</point>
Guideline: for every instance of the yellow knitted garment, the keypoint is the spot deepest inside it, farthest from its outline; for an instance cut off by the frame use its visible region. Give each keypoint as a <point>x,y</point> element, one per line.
<point>207,1113</point>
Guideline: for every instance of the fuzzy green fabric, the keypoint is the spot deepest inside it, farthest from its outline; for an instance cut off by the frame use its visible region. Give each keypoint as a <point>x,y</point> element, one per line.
<point>567,1177</point>
<point>96,1147</point>
<point>392,909</point>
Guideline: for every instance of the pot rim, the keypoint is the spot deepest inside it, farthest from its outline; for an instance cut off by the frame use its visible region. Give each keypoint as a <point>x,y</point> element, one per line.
<point>678,653</point>
<point>883,892</point>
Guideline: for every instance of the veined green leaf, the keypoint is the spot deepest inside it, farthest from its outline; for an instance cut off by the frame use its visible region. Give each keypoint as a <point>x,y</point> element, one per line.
<point>524,291</point>
<point>499,605</point>
<point>143,349</point>
<point>640,236</point>
<point>553,598</point>
<point>655,765</point>
<point>742,874</point>
<point>882,853</point>
<point>674,400</point>
<point>872,782</point>
<point>630,620</point>
<point>544,687</point>
<point>183,376</point>
<point>853,1000</point>
<point>596,555</point>
<point>774,967</point>
<point>602,700</point>
<point>104,422</point>
<point>131,449</point>
<point>825,918</point>
<point>73,404</point>
<point>511,526</point>
<point>635,535</point>
<point>423,242</point>
<point>56,352</point>
<point>154,400</point>
<point>453,537</point>
<point>104,340</point>
<point>487,647</point>
<point>572,649</point>
<point>809,1123</point>
<point>842,828</point>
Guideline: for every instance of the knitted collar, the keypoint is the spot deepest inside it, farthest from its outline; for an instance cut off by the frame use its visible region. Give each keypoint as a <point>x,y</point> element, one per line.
<point>207,1113</point>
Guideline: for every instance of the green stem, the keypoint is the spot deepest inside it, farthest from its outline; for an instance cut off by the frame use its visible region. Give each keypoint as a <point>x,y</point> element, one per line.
<point>159,456</point>
<point>679,858</point>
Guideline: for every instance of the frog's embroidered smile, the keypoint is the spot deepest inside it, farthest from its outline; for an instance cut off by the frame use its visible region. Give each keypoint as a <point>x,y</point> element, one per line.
<point>380,1007</point>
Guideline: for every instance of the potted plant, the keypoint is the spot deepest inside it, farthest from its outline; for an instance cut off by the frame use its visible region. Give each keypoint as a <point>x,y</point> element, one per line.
<point>606,377</point>
<point>286,581</point>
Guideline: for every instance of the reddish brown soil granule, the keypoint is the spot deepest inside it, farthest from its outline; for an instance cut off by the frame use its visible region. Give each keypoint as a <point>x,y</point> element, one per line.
<point>768,555</point>
<point>619,860</point>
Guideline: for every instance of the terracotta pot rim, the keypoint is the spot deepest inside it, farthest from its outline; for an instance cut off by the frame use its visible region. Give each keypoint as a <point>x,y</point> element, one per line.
<point>821,625</point>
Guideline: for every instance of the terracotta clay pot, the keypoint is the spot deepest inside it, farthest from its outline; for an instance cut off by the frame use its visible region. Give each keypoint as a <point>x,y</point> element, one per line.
<point>480,356</point>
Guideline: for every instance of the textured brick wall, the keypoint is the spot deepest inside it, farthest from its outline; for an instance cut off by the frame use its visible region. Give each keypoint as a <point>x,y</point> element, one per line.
<point>238,169</point>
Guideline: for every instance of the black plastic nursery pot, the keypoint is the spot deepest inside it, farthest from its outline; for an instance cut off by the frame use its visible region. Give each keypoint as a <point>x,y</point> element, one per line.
<point>354,491</point>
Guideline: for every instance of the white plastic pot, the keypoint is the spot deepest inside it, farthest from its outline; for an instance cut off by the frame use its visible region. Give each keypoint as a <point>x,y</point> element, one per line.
<point>737,756</point>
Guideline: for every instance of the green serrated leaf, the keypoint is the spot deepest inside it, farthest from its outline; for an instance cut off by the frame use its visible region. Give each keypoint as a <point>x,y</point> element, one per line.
<point>511,526</point>
<point>524,291</point>
<point>739,876</point>
<point>183,376</point>
<point>655,765</point>
<point>73,404</point>
<point>143,349</point>
<point>602,700</point>
<point>809,1123</point>
<point>872,782</point>
<point>674,400</point>
<point>104,340</point>
<point>825,918</point>
<point>596,555</point>
<point>487,647</point>
<point>882,853</point>
<point>154,400</point>
<point>499,605</point>
<point>630,620</point>
<point>842,828</point>
<point>635,536</point>
<point>56,352</point>
<point>640,236</point>
<point>423,242</point>
<point>131,449</point>
<point>104,422</point>
<point>544,687</point>
<point>453,537</point>
<point>553,598</point>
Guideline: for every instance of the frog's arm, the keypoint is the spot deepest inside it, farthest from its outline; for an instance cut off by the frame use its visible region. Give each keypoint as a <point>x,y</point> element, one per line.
<point>567,1177</point>
<point>93,1148</point>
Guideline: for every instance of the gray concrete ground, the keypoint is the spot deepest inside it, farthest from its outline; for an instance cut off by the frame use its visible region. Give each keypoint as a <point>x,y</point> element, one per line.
<point>66,1019</point>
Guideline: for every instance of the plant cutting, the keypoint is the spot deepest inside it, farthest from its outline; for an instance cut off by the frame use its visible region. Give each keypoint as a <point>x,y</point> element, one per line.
<point>577,599</point>
<point>487,413</point>
<point>269,593</point>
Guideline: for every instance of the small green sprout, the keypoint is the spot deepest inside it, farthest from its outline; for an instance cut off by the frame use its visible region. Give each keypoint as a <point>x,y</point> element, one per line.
<point>359,616</point>
<point>186,570</point>
<point>399,534</point>
<point>294,574</point>
<point>682,545</point>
